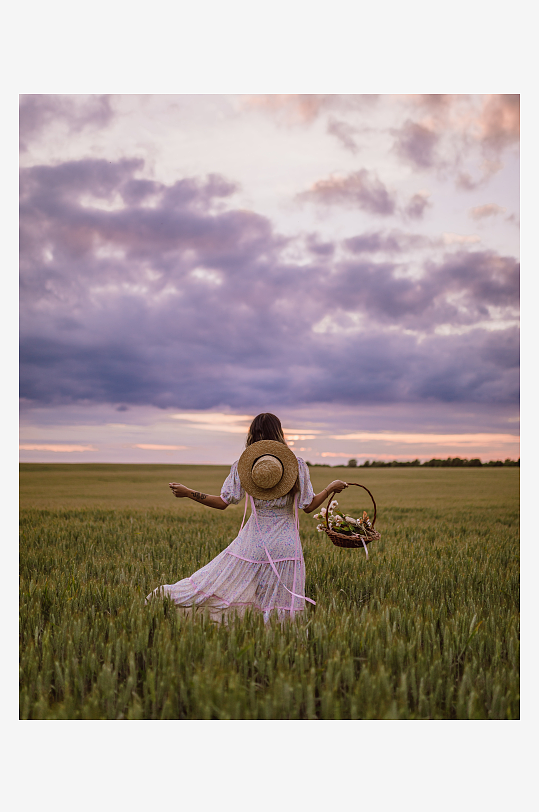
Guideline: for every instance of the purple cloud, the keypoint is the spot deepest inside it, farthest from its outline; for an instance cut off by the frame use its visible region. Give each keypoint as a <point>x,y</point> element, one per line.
<point>458,291</point>
<point>137,292</point>
<point>416,144</point>
<point>37,111</point>
<point>390,243</point>
<point>416,206</point>
<point>320,249</point>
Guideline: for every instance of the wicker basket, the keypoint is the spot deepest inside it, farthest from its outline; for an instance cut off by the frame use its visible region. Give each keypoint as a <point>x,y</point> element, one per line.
<point>354,540</point>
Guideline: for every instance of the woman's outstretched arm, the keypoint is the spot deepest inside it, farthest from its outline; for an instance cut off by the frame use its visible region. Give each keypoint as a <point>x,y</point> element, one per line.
<point>337,485</point>
<point>183,492</point>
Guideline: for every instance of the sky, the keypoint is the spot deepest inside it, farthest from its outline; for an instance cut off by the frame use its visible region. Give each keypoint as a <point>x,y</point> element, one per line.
<point>348,262</point>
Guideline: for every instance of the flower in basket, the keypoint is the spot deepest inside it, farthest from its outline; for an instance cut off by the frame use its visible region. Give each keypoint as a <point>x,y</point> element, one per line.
<point>338,522</point>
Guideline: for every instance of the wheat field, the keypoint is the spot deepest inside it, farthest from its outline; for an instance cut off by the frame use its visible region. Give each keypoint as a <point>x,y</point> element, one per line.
<point>427,628</point>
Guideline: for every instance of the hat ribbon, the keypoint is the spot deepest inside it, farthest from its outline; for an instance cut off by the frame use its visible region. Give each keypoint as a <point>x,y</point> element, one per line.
<point>274,568</point>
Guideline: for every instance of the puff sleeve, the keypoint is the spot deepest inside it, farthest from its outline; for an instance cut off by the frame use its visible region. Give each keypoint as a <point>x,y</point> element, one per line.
<point>232,492</point>
<point>306,492</point>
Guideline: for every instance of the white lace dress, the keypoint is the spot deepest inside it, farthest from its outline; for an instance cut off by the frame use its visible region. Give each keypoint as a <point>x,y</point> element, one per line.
<point>262,568</point>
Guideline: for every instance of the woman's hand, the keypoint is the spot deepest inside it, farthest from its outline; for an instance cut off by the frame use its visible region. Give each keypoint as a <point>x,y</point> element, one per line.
<point>337,485</point>
<point>179,490</point>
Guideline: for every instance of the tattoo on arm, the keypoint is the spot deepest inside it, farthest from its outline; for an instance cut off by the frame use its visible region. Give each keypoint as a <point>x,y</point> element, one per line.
<point>199,496</point>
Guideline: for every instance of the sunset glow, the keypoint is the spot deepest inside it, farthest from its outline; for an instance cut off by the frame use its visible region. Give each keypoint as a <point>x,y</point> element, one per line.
<point>474,440</point>
<point>58,448</point>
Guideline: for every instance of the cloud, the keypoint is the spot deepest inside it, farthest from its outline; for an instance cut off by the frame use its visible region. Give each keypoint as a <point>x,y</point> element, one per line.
<point>38,111</point>
<point>57,447</point>
<point>154,447</point>
<point>344,133</point>
<point>394,242</point>
<point>416,144</point>
<point>487,210</point>
<point>335,454</point>
<point>491,120</point>
<point>499,121</point>
<point>460,290</point>
<point>488,168</point>
<point>484,439</point>
<point>364,190</point>
<point>361,189</point>
<point>217,421</point>
<point>422,445</point>
<point>191,304</point>
<point>400,242</point>
<point>444,132</point>
<point>416,206</point>
<point>294,108</point>
<point>305,108</point>
<point>450,238</point>
<point>319,248</point>
<point>433,102</point>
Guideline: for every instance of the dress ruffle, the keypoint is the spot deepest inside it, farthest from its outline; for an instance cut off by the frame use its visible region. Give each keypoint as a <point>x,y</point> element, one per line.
<point>229,585</point>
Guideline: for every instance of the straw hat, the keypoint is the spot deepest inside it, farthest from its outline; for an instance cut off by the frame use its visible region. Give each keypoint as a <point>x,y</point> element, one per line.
<point>267,469</point>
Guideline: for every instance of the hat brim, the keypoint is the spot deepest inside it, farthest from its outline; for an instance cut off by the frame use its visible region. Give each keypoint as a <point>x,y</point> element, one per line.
<point>287,458</point>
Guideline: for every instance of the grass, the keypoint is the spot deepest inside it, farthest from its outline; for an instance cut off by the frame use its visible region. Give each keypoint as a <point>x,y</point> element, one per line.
<point>427,628</point>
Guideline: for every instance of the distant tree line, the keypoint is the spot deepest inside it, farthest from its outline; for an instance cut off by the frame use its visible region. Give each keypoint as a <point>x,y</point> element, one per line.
<point>450,462</point>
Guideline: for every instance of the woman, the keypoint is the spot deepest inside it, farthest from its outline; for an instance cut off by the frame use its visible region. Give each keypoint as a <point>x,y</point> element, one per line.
<point>263,567</point>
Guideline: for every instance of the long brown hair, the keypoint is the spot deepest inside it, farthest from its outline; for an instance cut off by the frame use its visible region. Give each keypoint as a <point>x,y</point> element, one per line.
<point>267,426</point>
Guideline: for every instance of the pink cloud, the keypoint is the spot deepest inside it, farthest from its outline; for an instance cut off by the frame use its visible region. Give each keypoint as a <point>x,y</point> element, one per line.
<point>499,120</point>
<point>430,439</point>
<point>335,454</point>
<point>304,108</point>
<point>55,447</point>
<point>493,119</point>
<point>411,445</point>
<point>488,210</point>
<point>362,189</point>
<point>450,238</point>
<point>295,108</point>
<point>370,456</point>
<point>443,129</point>
<point>154,447</point>
<point>433,102</point>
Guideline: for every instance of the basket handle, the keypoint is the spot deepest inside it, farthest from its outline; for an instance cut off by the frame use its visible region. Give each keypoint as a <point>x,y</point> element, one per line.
<point>332,494</point>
